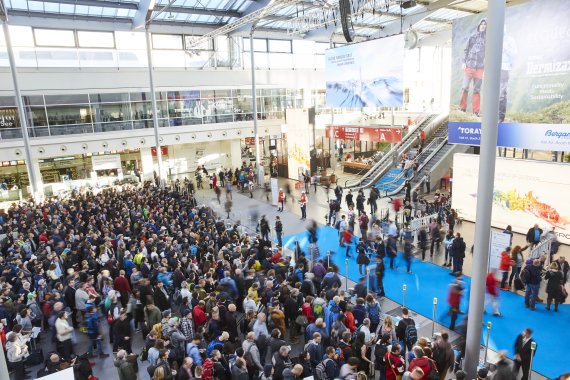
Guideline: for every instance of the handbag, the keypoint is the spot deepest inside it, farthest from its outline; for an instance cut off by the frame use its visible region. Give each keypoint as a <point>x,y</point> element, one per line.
<point>302,320</point>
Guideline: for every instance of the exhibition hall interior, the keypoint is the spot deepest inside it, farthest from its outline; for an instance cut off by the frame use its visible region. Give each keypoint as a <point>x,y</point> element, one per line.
<point>284,189</point>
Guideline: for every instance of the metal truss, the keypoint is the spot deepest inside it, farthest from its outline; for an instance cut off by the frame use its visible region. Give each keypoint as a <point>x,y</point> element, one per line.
<point>331,14</point>
<point>251,18</point>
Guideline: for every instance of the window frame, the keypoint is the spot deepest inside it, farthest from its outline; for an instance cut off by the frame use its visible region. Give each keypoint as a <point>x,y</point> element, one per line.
<point>77,31</point>
<point>182,45</point>
<point>36,44</point>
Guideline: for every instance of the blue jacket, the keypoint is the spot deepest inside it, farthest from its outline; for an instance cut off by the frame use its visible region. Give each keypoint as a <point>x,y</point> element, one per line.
<point>193,351</point>
<point>331,315</point>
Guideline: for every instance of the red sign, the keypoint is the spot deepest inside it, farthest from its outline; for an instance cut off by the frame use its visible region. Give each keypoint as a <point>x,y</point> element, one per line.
<point>163,151</point>
<point>387,135</point>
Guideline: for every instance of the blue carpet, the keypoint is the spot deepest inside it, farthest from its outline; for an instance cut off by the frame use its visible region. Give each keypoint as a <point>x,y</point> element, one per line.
<point>429,281</point>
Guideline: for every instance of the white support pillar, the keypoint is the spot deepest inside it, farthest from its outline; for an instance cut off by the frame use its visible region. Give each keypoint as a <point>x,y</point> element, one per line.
<point>235,153</point>
<point>161,175</point>
<point>489,129</point>
<point>36,192</point>
<point>147,164</point>
<point>260,178</point>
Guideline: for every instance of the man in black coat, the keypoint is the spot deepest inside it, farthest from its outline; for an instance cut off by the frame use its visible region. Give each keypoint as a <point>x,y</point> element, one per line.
<point>523,353</point>
<point>458,253</point>
<point>533,236</point>
<point>69,297</point>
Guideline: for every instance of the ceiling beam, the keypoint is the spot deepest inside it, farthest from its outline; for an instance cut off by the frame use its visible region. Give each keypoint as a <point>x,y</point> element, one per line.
<point>95,3</point>
<point>201,11</point>
<point>64,16</point>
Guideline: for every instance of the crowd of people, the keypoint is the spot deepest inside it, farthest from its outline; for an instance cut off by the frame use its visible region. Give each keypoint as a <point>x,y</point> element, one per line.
<point>209,301</point>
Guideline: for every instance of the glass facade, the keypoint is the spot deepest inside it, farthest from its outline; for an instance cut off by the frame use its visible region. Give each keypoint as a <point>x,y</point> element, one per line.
<point>53,115</point>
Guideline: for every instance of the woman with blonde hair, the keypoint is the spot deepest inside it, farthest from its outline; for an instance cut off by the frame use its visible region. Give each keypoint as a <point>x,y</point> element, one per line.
<point>388,328</point>
<point>158,373</point>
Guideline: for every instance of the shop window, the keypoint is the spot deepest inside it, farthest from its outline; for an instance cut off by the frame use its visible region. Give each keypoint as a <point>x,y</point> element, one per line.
<point>69,114</point>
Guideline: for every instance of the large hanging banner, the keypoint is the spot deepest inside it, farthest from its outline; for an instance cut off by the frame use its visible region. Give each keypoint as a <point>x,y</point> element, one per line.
<point>534,105</point>
<point>526,193</point>
<point>366,74</point>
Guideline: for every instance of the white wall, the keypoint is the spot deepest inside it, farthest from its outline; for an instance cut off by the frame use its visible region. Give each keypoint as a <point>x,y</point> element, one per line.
<point>139,138</point>
<point>71,80</point>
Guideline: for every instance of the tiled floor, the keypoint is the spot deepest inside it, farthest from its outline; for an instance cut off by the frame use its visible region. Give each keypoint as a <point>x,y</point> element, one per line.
<point>243,210</point>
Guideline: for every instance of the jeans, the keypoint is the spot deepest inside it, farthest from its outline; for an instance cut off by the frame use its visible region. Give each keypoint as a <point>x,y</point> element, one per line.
<point>279,238</point>
<point>457,264</point>
<point>514,274</point>
<point>96,343</point>
<point>504,279</point>
<point>531,294</point>
<point>304,212</point>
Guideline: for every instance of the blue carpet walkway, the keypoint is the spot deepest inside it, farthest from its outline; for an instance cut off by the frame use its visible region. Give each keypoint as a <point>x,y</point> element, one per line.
<point>428,281</point>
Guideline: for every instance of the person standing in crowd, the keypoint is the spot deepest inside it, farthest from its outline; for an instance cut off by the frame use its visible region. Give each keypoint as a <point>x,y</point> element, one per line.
<point>125,369</point>
<point>280,200</point>
<point>523,353</point>
<point>532,280</point>
<point>505,266</point>
<point>427,181</point>
<point>303,205</point>
<point>442,354</point>
<point>554,286</point>
<point>279,231</point>
<point>395,364</point>
<point>63,334</point>
<point>458,253</point>
<point>518,261</point>
<point>406,331</point>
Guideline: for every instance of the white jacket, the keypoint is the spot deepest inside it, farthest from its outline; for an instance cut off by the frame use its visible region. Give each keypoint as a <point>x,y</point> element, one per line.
<point>63,330</point>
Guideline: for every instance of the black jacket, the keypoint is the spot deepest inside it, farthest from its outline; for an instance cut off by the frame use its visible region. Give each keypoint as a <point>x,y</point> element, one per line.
<point>530,235</point>
<point>523,350</point>
<point>458,248</point>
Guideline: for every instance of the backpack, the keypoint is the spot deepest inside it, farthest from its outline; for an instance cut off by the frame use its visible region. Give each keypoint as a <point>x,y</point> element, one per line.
<point>380,353</point>
<point>208,370</point>
<point>320,370</point>
<point>374,312</point>
<point>318,310</point>
<point>433,373</point>
<point>214,345</point>
<point>411,334</point>
<point>177,297</point>
<point>249,358</point>
<point>341,356</point>
<point>524,275</point>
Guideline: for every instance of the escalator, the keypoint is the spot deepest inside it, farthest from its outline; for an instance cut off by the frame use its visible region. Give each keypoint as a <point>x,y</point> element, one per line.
<point>434,152</point>
<point>393,181</point>
<point>385,164</point>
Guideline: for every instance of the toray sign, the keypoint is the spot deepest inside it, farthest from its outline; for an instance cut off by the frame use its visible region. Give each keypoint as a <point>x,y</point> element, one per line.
<point>386,135</point>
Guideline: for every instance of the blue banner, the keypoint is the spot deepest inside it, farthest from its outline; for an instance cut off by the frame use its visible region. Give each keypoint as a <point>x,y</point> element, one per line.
<point>515,135</point>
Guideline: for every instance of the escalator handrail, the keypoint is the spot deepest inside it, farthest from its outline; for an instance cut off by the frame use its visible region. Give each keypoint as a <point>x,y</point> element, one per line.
<point>425,123</point>
<point>424,163</point>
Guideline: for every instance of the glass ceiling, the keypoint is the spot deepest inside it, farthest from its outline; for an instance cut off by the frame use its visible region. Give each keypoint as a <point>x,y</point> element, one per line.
<point>215,13</point>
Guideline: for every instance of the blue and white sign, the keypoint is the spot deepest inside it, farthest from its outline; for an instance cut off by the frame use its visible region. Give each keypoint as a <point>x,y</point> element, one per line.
<point>514,135</point>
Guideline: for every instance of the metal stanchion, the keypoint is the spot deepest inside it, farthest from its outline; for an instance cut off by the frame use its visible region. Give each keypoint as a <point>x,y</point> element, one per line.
<point>404,292</point>
<point>532,352</point>
<point>328,259</point>
<point>367,279</point>
<point>346,279</point>
<point>434,316</point>
<point>489,324</point>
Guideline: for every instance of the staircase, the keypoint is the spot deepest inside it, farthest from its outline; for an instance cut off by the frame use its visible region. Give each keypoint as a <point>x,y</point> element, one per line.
<point>385,163</point>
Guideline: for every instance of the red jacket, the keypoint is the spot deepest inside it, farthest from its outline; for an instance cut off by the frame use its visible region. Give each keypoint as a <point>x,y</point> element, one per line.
<point>349,321</point>
<point>199,316</point>
<point>121,285</point>
<point>454,297</point>
<point>491,284</point>
<point>394,366</point>
<point>506,261</point>
<point>308,312</point>
<point>423,363</point>
<point>347,237</point>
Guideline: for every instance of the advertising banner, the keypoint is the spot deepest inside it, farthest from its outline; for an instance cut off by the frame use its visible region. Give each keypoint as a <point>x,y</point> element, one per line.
<point>499,242</point>
<point>534,101</point>
<point>366,74</point>
<point>526,193</point>
<point>387,135</point>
